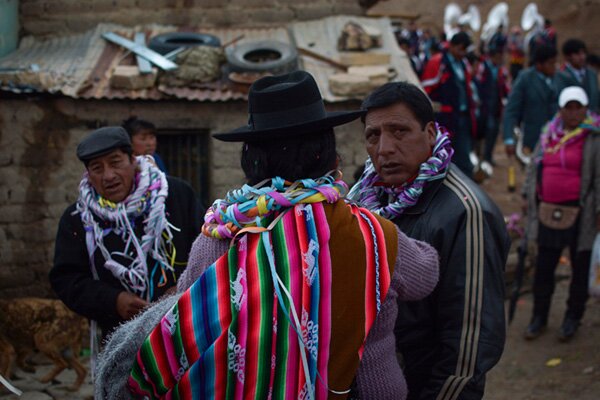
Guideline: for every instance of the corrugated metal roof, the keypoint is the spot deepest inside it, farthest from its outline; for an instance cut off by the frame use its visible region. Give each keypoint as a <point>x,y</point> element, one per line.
<point>80,66</point>
<point>53,66</point>
<point>112,55</point>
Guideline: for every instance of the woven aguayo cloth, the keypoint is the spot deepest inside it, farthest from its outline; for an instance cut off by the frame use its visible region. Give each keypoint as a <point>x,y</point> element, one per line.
<point>284,314</point>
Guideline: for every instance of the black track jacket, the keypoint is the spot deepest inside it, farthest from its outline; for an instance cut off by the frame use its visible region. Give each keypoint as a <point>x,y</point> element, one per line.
<point>450,339</point>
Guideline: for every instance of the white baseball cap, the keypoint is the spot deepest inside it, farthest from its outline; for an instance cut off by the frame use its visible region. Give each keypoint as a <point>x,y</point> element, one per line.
<point>573,93</point>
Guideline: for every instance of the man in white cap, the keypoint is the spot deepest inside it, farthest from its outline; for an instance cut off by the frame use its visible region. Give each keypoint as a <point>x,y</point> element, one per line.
<point>563,195</point>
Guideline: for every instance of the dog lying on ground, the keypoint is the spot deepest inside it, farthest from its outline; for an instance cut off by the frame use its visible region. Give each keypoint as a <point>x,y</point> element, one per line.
<point>28,324</point>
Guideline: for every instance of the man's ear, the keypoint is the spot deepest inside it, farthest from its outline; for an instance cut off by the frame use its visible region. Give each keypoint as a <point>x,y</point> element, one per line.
<point>431,133</point>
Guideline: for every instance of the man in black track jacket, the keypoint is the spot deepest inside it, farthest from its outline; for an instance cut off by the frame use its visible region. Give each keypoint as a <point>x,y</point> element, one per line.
<point>449,340</point>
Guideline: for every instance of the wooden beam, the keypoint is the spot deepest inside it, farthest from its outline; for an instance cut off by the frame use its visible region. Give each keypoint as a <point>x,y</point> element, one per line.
<point>320,57</point>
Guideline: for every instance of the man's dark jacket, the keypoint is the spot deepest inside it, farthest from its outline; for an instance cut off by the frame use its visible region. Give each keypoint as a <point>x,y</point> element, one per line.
<point>566,78</point>
<point>71,277</point>
<point>531,104</point>
<point>491,93</point>
<point>450,339</point>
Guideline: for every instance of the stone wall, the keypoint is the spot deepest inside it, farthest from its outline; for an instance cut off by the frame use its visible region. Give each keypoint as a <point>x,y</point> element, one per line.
<point>39,172</point>
<point>34,188</point>
<point>572,18</point>
<point>60,17</point>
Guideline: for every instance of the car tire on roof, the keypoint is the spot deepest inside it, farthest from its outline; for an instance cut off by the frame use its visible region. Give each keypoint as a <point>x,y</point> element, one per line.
<point>262,56</point>
<point>167,42</point>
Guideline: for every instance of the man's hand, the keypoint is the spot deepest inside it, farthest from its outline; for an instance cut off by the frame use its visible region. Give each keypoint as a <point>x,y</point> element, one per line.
<point>128,305</point>
<point>510,149</point>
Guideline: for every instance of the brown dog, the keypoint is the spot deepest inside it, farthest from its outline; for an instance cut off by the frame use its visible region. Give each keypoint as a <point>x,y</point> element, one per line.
<point>27,324</point>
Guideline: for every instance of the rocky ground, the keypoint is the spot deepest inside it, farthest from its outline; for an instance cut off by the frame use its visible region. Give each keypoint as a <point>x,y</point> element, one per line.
<point>59,390</point>
<point>540,369</point>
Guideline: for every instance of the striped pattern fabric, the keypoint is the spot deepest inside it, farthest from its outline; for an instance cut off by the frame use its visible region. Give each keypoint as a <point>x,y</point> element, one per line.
<point>471,329</point>
<point>257,324</point>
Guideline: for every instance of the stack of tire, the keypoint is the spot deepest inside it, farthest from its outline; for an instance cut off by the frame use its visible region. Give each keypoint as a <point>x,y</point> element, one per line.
<point>264,56</point>
<point>260,57</point>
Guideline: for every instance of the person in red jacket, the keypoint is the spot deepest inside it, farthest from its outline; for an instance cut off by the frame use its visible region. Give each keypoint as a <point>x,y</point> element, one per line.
<point>447,80</point>
<point>516,49</point>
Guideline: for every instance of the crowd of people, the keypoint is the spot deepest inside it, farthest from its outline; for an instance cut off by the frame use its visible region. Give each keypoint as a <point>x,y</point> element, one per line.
<point>295,285</point>
<point>476,91</point>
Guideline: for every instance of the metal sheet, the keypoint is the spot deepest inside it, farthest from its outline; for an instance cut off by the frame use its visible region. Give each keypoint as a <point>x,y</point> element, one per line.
<point>142,51</point>
<point>143,65</point>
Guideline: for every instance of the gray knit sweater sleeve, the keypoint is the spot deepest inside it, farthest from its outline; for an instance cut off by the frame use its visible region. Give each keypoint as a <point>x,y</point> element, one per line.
<point>417,269</point>
<point>205,251</point>
<point>117,358</point>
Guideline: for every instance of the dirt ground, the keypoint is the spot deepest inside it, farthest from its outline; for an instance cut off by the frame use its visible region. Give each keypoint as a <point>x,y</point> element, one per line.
<point>525,370</point>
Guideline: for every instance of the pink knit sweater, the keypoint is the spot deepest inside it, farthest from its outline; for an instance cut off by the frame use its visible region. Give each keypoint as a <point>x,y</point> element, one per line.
<point>561,174</point>
<point>415,275</point>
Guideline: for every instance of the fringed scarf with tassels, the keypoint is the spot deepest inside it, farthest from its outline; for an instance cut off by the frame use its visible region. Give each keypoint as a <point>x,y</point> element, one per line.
<point>147,199</point>
<point>370,195</point>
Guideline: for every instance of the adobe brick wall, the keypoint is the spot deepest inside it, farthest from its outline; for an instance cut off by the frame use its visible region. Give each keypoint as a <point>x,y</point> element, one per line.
<point>39,172</point>
<point>35,184</point>
<point>59,17</point>
<point>572,18</point>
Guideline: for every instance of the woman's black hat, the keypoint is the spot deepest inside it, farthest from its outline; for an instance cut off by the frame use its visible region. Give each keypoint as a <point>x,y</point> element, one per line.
<point>284,106</point>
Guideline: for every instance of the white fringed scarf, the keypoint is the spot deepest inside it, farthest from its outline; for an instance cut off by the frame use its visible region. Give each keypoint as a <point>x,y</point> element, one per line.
<point>148,199</point>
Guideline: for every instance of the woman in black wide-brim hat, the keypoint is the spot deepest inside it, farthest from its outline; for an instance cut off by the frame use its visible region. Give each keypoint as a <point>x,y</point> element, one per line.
<point>287,280</point>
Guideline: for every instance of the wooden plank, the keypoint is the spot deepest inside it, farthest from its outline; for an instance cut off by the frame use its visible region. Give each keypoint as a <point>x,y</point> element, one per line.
<point>365,58</point>
<point>320,57</point>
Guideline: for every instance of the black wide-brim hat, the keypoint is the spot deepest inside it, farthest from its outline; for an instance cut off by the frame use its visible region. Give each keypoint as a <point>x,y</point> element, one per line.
<point>284,106</point>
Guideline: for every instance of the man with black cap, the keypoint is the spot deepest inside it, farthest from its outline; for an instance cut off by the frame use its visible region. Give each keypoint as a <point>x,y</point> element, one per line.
<point>126,240</point>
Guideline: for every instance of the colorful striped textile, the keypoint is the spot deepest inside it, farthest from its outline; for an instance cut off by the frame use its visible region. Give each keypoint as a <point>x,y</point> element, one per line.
<point>258,323</point>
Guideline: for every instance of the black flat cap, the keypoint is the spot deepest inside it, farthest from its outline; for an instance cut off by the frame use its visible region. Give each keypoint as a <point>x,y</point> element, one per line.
<point>102,141</point>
